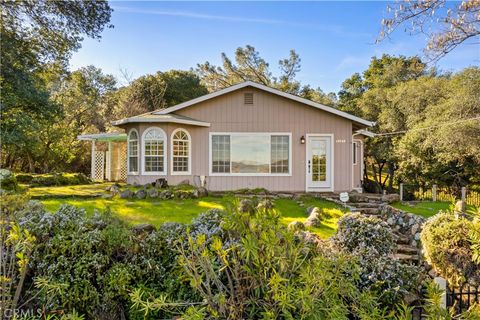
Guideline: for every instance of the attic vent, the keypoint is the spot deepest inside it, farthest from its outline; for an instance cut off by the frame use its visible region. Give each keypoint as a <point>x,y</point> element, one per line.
<point>248,98</point>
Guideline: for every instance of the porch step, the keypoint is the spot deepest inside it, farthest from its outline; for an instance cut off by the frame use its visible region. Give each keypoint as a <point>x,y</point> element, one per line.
<point>406,257</point>
<point>402,240</point>
<point>406,249</point>
<point>366,211</point>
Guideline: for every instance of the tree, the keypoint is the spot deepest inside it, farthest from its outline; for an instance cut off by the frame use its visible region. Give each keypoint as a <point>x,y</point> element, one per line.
<point>249,66</point>
<point>370,96</point>
<point>157,91</point>
<point>446,25</point>
<point>37,38</point>
<point>442,143</point>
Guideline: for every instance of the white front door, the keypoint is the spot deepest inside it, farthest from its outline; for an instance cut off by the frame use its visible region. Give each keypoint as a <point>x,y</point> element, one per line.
<point>319,162</point>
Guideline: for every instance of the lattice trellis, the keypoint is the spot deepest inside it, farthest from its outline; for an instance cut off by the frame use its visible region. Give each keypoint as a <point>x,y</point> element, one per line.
<point>122,154</point>
<point>99,163</point>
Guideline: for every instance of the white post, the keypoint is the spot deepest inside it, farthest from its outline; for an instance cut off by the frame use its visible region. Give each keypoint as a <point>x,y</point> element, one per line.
<point>442,284</point>
<point>434,192</point>
<point>108,164</point>
<point>401,192</point>
<point>93,160</point>
<point>464,194</point>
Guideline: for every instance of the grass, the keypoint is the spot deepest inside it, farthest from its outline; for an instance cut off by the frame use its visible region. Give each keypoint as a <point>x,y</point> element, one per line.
<point>424,208</point>
<point>157,212</point>
<point>83,190</point>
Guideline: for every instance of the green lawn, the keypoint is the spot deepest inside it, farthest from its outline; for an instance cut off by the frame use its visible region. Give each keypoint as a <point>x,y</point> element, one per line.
<point>84,190</point>
<point>156,211</point>
<point>424,208</point>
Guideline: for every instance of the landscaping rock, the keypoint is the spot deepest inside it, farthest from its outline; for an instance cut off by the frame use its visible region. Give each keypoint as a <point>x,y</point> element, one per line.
<point>143,228</point>
<point>265,204</point>
<point>126,194</point>
<point>186,181</point>
<point>460,206</point>
<point>107,196</point>
<point>161,183</point>
<point>295,226</point>
<point>202,192</point>
<point>315,218</point>
<point>141,194</point>
<point>114,190</point>
<point>390,198</point>
<point>245,205</point>
<point>152,193</point>
<point>184,194</point>
<point>166,194</point>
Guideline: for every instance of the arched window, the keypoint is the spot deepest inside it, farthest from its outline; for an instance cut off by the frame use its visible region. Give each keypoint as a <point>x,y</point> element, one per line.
<point>132,152</point>
<point>154,151</point>
<point>181,152</point>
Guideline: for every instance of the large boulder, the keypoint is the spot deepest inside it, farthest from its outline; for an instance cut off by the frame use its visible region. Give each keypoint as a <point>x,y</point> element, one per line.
<point>315,218</point>
<point>141,194</point>
<point>126,194</point>
<point>152,193</point>
<point>114,190</point>
<point>165,194</point>
<point>161,183</point>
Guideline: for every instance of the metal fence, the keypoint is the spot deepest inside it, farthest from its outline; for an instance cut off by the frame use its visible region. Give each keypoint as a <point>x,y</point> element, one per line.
<point>460,299</point>
<point>463,297</point>
<point>409,192</point>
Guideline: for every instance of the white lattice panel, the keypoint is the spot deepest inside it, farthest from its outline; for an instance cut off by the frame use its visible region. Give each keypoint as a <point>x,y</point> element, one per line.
<point>123,162</point>
<point>99,165</point>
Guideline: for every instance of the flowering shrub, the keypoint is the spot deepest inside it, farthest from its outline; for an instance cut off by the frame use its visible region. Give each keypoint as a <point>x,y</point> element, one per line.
<point>370,241</point>
<point>448,248</point>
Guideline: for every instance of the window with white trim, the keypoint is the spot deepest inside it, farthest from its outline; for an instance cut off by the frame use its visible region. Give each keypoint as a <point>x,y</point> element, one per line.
<point>354,154</point>
<point>133,152</point>
<point>154,151</point>
<point>250,154</point>
<point>180,151</point>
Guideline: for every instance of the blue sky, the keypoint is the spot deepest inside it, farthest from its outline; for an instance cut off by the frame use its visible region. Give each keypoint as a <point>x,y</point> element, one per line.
<point>333,39</point>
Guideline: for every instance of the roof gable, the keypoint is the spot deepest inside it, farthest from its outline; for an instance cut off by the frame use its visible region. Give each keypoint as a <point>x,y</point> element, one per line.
<point>267,89</point>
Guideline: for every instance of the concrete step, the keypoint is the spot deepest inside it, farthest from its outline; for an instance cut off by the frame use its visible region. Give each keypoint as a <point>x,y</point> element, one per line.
<point>406,257</point>
<point>401,239</point>
<point>363,204</point>
<point>406,249</point>
<point>372,211</point>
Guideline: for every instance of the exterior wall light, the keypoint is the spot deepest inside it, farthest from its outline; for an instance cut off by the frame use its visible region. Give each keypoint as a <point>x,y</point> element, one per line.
<point>302,140</point>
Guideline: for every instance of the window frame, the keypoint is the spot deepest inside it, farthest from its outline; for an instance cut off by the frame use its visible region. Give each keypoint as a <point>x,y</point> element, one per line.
<point>189,171</point>
<point>269,134</point>
<point>165,144</point>
<point>128,152</point>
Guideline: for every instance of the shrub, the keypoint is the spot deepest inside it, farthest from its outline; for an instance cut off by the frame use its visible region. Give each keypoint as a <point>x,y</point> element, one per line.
<point>59,179</point>
<point>24,178</point>
<point>446,245</point>
<point>246,265</point>
<point>8,180</point>
<point>370,241</point>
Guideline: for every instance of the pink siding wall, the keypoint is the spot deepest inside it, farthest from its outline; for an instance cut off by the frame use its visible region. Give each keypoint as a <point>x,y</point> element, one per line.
<point>270,113</point>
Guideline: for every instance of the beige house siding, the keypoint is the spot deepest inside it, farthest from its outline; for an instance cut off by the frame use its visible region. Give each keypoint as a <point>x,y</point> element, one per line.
<point>269,113</point>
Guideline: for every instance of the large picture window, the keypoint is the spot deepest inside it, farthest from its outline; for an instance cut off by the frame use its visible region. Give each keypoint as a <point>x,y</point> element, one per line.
<point>133,152</point>
<point>250,154</point>
<point>154,151</point>
<point>180,152</point>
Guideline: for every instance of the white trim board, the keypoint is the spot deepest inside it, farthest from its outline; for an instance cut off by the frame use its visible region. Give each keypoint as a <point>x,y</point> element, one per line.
<point>268,89</point>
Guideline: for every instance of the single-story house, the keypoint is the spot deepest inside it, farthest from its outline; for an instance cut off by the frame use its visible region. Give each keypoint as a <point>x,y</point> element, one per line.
<point>245,136</point>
